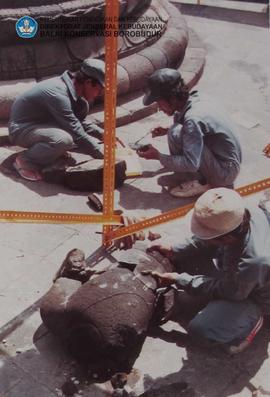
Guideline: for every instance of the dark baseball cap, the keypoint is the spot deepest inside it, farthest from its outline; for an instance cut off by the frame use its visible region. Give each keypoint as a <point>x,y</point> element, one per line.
<point>94,68</point>
<point>160,83</point>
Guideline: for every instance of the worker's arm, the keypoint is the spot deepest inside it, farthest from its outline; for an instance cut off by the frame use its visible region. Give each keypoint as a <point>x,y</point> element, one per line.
<point>192,145</point>
<point>93,129</point>
<point>60,108</point>
<point>235,284</point>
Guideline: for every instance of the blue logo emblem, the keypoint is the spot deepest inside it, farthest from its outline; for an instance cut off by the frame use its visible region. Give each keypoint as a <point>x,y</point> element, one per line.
<point>26,27</point>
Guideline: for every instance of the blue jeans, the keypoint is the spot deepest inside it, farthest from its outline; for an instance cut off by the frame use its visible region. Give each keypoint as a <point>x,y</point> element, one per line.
<point>214,171</point>
<point>223,321</point>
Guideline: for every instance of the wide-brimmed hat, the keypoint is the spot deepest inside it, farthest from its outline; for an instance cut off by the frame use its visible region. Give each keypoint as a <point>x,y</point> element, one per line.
<point>217,212</point>
<point>160,83</point>
<point>94,68</point>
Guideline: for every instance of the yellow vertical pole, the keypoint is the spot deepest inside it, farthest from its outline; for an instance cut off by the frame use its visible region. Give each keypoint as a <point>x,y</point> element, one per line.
<point>111,18</point>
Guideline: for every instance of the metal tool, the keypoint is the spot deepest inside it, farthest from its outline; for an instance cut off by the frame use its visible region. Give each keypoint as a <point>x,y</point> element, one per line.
<point>181,211</point>
<point>95,203</point>
<point>146,272</point>
<point>136,145</point>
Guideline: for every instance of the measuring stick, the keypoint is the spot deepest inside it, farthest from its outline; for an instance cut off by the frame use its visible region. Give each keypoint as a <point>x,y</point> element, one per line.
<point>180,212</point>
<point>111,13</point>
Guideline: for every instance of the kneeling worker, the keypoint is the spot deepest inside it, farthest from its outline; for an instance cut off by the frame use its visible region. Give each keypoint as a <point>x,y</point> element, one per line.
<point>236,289</point>
<point>203,148</point>
<point>48,119</point>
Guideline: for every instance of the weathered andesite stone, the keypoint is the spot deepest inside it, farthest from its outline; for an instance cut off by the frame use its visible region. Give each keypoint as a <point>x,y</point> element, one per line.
<point>153,25</point>
<point>104,320</point>
<point>74,267</point>
<point>86,176</point>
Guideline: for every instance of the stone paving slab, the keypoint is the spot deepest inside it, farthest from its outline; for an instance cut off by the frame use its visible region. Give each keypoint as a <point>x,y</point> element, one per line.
<point>43,361</point>
<point>231,5</point>
<point>256,15</point>
<point>34,250</point>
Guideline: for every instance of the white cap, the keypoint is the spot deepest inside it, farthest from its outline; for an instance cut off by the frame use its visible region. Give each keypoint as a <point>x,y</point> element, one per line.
<point>217,212</point>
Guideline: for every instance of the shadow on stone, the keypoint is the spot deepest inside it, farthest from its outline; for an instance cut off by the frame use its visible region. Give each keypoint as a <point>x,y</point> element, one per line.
<point>134,198</point>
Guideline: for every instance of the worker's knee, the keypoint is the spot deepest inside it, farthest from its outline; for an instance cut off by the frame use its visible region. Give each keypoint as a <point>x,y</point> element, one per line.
<point>62,141</point>
<point>67,142</point>
<point>199,330</point>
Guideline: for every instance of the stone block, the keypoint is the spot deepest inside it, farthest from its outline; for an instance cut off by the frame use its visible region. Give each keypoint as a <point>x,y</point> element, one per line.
<point>16,61</point>
<point>137,110</point>
<point>123,116</point>
<point>179,35</point>
<point>172,48</point>
<point>13,12</point>
<point>138,68</point>
<point>194,40</point>
<point>161,10</point>
<point>45,10</point>
<point>49,54</point>
<point>123,83</point>
<point>192,64</point>
<point>10,375</point>
<point>28,387</point>
<point>189,77</point>
<point>98,118</point>
<point>51,58</point>
<point>156,57</point>
<point>198,53</point>
<point>176,17</point>
<point>68,6</point>
<point>86,47</point>
<point>144,112</point>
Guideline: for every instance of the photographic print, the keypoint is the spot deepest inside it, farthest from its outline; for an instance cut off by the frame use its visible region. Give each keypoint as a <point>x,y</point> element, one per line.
<point>144,127</point>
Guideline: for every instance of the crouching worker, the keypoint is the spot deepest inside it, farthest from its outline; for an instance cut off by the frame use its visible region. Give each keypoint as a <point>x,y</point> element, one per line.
<point>204,151</point>
<point>236,286</point>
<point>48,119</point>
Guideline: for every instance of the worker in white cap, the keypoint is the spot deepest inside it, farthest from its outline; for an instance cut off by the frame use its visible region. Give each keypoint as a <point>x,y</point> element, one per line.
<point>48,119</point>
<point>235,287</point>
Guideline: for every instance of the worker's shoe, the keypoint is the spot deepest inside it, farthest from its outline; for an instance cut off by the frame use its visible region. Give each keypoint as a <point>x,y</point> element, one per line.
<point>189,189</point>
<point>244,344</point>
<point>25,170</point>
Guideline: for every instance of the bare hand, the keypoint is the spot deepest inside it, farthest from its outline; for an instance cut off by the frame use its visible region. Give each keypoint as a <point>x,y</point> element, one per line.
<point>150,154</point>
<point>266,150</point>
<point>165,250</point>
<point>159,131</point>
<point>165,279</point>
<point>127,242</point>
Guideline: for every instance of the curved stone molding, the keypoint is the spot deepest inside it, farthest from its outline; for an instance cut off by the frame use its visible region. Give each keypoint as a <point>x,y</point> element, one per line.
<point>60,11</point>
<point>130,107</point>
<point>39,58</point>
<point>134,65</point>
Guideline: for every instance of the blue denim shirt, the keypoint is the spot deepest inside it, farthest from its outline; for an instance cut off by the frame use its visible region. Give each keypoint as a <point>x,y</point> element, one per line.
<point>203,123</point>
<point>54,101</point>
<point>243,270</point>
